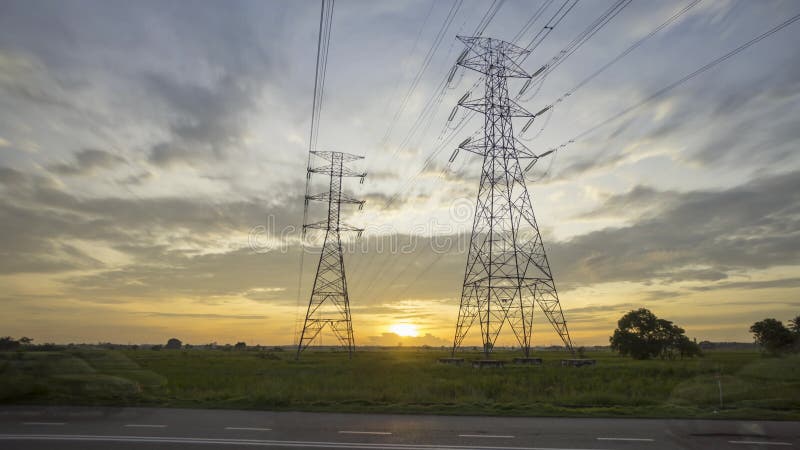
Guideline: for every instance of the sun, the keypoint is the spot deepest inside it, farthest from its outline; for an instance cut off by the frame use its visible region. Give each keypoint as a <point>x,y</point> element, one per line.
<point>404,329</point>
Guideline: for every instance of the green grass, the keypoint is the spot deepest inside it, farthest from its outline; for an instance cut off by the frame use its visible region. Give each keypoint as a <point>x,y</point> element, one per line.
<point>407,381</point>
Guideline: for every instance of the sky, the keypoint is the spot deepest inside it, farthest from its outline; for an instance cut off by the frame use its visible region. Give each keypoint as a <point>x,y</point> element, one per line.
<point>153,166</point>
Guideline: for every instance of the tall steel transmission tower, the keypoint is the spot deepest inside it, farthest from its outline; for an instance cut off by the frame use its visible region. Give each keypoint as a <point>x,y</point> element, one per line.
<point>507,271</point>
<point>330,303</point>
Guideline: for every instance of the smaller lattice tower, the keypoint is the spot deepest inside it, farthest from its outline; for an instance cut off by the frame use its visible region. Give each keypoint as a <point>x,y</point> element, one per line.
<point>330,303</point>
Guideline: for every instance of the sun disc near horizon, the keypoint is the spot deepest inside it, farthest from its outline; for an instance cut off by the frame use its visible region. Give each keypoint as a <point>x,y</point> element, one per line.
<point>404,329</point>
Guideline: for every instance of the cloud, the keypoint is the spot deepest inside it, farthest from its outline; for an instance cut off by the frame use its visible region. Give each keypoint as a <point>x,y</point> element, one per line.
<point>752,226</point>
<point>192,114</point>
<point>203,316</point>
<point>592,312</point>
<point>638,202</point>
<point>782,283</point>
<point>209,121</point>
<point>86,161</point>
<point>40,223</point>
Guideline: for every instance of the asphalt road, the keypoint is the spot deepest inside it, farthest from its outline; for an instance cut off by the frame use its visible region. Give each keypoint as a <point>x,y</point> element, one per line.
<point>149,428</point>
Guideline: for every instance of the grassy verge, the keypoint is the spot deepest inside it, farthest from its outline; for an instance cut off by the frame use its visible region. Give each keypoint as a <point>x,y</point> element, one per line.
<point>408,381</point>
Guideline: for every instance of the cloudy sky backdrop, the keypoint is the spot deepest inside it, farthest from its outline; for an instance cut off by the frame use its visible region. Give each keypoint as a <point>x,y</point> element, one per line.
<point>152,167</point>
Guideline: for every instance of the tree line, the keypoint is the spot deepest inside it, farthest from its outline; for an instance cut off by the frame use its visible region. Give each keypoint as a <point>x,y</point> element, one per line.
<point>775,337</point>
<point>640,334</point>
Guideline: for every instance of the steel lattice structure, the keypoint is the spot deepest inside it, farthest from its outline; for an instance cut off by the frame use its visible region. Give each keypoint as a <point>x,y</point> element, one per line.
<point>507,271</point>
<point>329,303</point>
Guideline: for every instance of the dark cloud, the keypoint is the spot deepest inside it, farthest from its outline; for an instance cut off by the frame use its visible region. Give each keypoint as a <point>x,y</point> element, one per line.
<point>639,201</point>
<point>86,161</point>
<point>137,179</point>
<point>660,295</point>
<point>39,220</point>
<point>698,236</point>
<point>719,125</point>
<point>697,275</point>
<point>592,312</point>
<point>782,283</point>
<point>752,226</point>
<point>210,120</point>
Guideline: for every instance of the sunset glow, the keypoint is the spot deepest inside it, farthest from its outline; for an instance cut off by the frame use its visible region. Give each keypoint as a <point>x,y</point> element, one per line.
<point>404,329</point>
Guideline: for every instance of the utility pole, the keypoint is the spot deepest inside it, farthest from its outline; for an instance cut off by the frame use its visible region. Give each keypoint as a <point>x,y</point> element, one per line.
<point>329,303</point>
<point>507,271</point>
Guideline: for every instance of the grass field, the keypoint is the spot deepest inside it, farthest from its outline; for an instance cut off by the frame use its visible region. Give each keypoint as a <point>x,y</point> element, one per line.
<point>407,381</point>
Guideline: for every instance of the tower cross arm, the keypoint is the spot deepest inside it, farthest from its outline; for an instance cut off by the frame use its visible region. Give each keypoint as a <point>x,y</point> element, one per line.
<point>511,109</point>
<point>346,227</point>
<point>337,171</point>
<point>329,156</point>
<point>343,198</point>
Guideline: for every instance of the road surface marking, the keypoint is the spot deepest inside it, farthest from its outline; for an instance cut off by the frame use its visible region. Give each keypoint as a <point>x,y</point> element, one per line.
<point>144,425</point>
<point>248,428</point>
<point>256,442</point>
<point>760,443</point>
<point>365,432</point>
<point>43,423</point>
<point>499,436</point>
<point>625,439</point>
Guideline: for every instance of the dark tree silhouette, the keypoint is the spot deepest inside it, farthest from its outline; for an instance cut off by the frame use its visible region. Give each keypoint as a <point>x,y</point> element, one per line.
<point>173,344</point>
<point>773,336</point>
<point>8,343</point>
<point>642,335</point>
<point>794,324</point>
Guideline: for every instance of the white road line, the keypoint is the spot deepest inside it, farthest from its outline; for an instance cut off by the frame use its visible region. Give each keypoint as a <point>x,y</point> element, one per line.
<point>43,423</point>
<point>144,425</point>
<point>625,439</point>
<point>498,436</point>
<point>256,442</point>
<point>248,428</point>
<point>365,432</point>
<point>760,443</point>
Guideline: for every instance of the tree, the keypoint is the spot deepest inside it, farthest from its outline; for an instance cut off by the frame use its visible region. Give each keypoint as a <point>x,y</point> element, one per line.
<point>173,344</point>
<point>642,335</point>
<point>240,346</point>
<point>773,336</point>
<point>794,325</point>
<point>8,343</point>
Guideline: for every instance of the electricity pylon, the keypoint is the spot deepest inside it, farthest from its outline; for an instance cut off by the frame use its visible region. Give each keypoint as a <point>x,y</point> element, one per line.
<point>507,271</point>
<point>330,303</point>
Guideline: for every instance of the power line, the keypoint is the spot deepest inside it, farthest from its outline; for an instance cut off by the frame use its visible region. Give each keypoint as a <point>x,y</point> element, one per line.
<point>323,44</point>
<point>633,47</point>
<point>565,8</point>
<point>326,44</point>
<point>425,63</point>
<point>588,33</point>
<point>683,79</point>
<point>428,110</point>
<point>570,49</point>
<point>532,20</point>
<point>610,63</point>
<point>557,17</point>
<point>412,51</point>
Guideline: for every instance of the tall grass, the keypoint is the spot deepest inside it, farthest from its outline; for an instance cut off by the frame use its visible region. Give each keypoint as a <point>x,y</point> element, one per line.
<point>412,381</point>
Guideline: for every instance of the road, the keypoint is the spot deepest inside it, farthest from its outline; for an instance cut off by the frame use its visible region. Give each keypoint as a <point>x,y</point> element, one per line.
<point>149,428</point>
